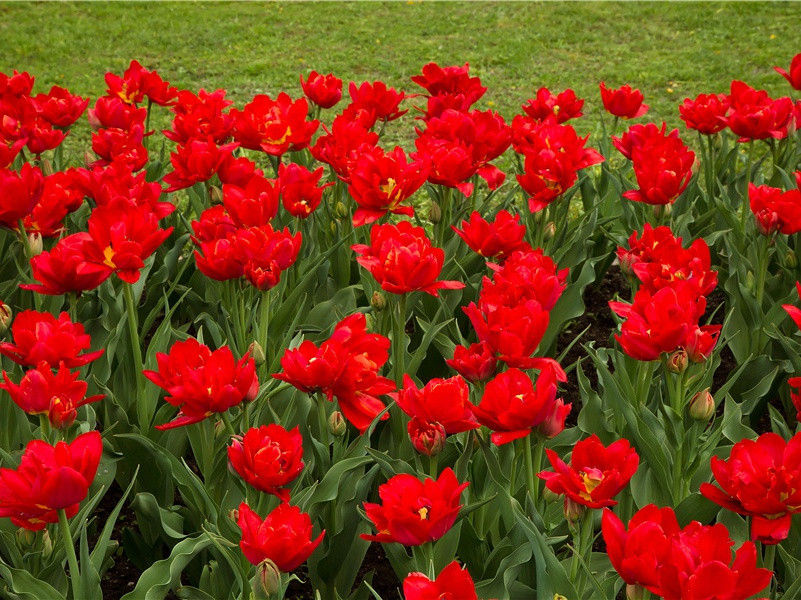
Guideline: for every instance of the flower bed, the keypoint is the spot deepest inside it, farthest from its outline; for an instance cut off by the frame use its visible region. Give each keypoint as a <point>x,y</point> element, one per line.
<point>258,354</point>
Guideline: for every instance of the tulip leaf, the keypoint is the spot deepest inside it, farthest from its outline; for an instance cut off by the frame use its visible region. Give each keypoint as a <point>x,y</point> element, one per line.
<point>26,586</point>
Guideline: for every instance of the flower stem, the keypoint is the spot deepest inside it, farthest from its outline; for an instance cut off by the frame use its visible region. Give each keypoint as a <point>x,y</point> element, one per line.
<point>532,466</point>
<point>398,339</point>
<point>227,422</point>
<point>69,549</point>
<point>136,349</point>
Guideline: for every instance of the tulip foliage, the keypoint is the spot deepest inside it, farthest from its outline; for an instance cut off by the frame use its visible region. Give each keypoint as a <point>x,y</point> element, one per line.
<point>264,353</point>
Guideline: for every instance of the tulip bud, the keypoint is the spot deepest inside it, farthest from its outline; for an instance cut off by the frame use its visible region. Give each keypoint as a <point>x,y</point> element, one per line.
<point>559,597</point>
<point>233,514</point>
<point>635,592</point>
<point>750,282</point>
<point>573,510</point>
<point>25,537</point>
<point>337,424</point>
<point>550,496</point>
<point>46,166</point>
<point>333,227</point>
<point>267,580</point>
<point>435,213</point>
<point>550,230</point>
<point>47,544</point>
<point>5,317</point>
<point>791,260</point>
<point>678,361</point>
<point>257,353</point>
<point>215,194</point>
<point>378,301</point>
<point>35,243</point>
<point>340,210</point>
<point>702,406</point>
<point>662,210</point>
<point>427,438</point>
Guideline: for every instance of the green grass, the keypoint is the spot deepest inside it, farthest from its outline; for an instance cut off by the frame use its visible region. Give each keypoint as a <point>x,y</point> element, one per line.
<point>669,50</point>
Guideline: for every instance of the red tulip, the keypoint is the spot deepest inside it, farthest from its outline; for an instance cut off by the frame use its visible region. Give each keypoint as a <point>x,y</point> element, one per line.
<point>49,479</point>
<point>563,106</point>
<point>110,112</point>
<point>344,143</point>
<point>66,268</point>
<point>755,116</point>
<point>414,512</point>
<point>525,275</point>
<point>19,193</point>
<point>300,188</point>
<point>402,259</point>
<point>42,393</point>
<point>324,90</point>
<point>60,195</point>
<point>268,458</point>
<point>58,107</point>
<point>596,472</point>
<point>775,210</point>
<point>476,363</point>
<point>283,537</point>
<point>16,84</point>
<point>40,337</point>
<point>197,161</point>
<point>201,116</point>
<point>376,99</point>
<point>498,239</point>
<point>793,77</point>
<point>623,102</point>
<point>137,82</point>
<point>381,181</point>
<point>427,437</point>
<point>706,114</point>
<point>663,167</point>
<point>513,407</point>
<point>254,204</point>
<point>453,583</point>
<point>274,126</point>
<point>450,80</point>
<point>760,479</point>
<point>201,382</point>
<point>121,146</point>
<point>269,252</point>
<point>442,401</point>
<point>9,149</point>
<point>640,135</point>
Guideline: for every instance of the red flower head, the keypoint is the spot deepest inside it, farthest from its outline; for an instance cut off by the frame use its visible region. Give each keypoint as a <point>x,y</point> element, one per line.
<point>268,458</point>
<point>442,401</point>
<point>663,169</point>
<point>414,512</point>
<point>124,236</point>
<point>274,126</point>
<point>17,84</point>
<point>40,337</point>
<point>201,382</point>
<point>640,135</point>
<point>283,537</point>
<point>324,90</point>
<point>513,407</point>
<point>402,259</point>
<point>9,149</point>
<point>761,479</point>
<point>498,239</point>
<point>377,99</point>
<point>254,204</point>
<point>344,143</point>
<point>793,77</point>
<point>453,583</point>
<point>596,473</point>
<point>525,275</point>
<point>67,267</point>
<point>49,479</point>
<point>19,193</point>
<point>58,107</point>
<point>42,393</point>
<point>311,369</point>
<point>120,146</point>
<point>269,252</point>
<point>300,188</point>
<point>755,116</point>
<point>450,80</point>
<point>706,114</point>
<point>381,181</point>
<point>197,161</point>
<point>110,112</point>
<point>137,82</point>
<point>554,155</point>
<point>476,363</point>
<point>458,145</point>
<point>775,210</point>
<point>563,106</point>
<point>60,196</point>
<point>623,102</point>
<point>201,116</point>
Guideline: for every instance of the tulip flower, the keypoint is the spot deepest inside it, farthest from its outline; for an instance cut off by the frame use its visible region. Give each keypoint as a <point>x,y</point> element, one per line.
<point>137,83</point>
<point>414,512</point>
<point>376,99</point>
<point>596,472</point>
<point>274,126</point>
<point>58,107</point>
<point>323,90</point>
<point>775,210</point>
<point>793,77</point>
<point>58,396</point>
<point>201,382</point>
<point>49,479</point>
<point>195,162</point>
<point>120,146</point>
<point>402,260</point>
<point>109,112</point>
<point>563,106</point>
<point>623,102</point>
<point>453,582</point>
<point>760,479</point>
<point>66,268</point>
<point>283,537</point>
<point>663,168</point>
<point>442,401</point>
<point>755,116</point>
<point>640,135</point>
<point>514,407</point>
<point>268,458</point>
<point>498,239</point>
<point>41,337</point>
<point>19,193</point>
<point>440,81</point>
<point>475,363</point>
<point>300,189</point>
<point>347,139</point>
<point>200,116</point>
<point>254,204</point>
<point>706,114</point>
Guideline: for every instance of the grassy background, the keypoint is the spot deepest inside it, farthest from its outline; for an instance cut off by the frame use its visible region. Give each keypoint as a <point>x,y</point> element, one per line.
<point>669,50</point>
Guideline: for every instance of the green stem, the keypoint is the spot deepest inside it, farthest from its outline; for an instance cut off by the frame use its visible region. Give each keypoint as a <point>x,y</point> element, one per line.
<point>136,349</point>
<point>532,467</point>
<point>745,208</point>
<point>768,561</point>
<point>710,173</point>
<point>762,272</point>
<point>72,297</point>
<point>69,549</point>
<point>398,339</point>
<point>227,422</point>
<point>44,426</point>
<point>433,461</point>
<point>583,540</point>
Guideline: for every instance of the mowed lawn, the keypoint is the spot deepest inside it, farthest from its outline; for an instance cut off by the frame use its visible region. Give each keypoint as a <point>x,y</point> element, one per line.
<point>668,50</point>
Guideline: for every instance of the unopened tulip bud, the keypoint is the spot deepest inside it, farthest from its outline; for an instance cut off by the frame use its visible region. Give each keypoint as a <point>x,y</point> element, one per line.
<point>215,194</point>
<point>559,597</point>
<point>750,282</point>
<point>550,230</point>
<point>46,166</point>
<point>378,301</point>
<point>573,510</point>
<point>333,227</point>
<point>635,592</point>
<point>257,353</point>
<point>427,438</point>
<point>5,317</point>
<point>47,544</point>
<point>791,260</point>
<point>435,213</point>
<point>337,424</point>
<point>233,514</point>
<point>702,406</point>
<point>340,210</point>
<point>550,496</point>
<point>663,210</point>
<point>678,361</point>
<point>267,580</point>
<point>25,537</point>
<point>35,243</point>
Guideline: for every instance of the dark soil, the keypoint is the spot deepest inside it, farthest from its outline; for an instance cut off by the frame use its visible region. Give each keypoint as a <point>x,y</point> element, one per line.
<point>123,575</point>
